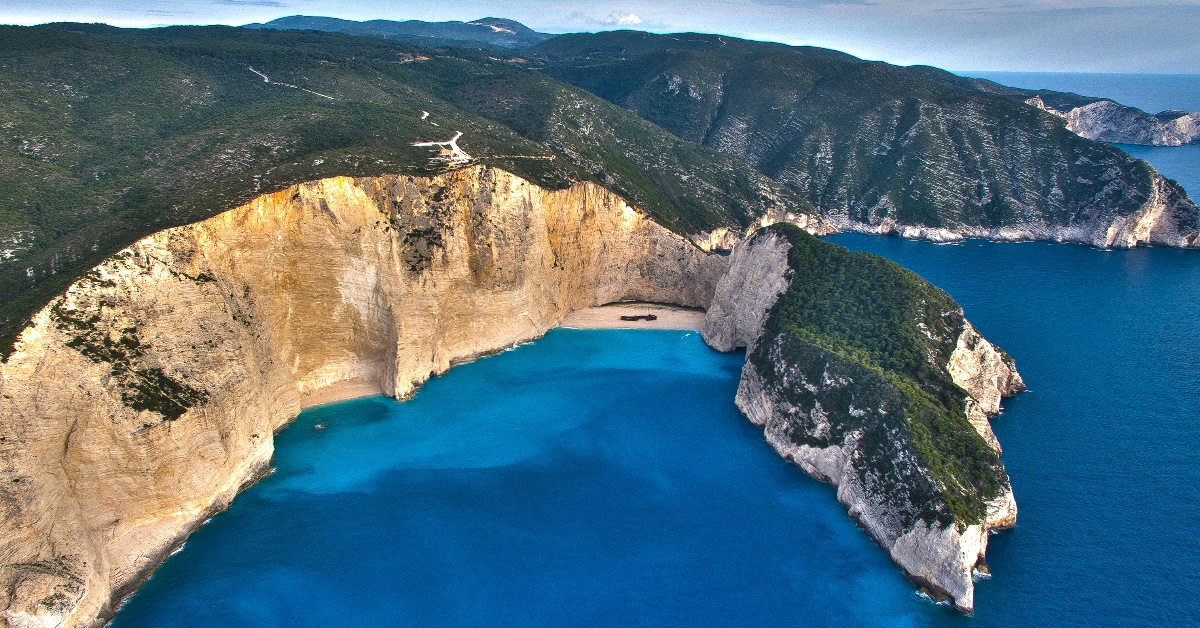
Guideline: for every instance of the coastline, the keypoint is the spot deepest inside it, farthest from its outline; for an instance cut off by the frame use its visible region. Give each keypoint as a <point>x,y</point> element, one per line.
<point>609,317</point>
<point>341,391</point>
<point>670,317</point>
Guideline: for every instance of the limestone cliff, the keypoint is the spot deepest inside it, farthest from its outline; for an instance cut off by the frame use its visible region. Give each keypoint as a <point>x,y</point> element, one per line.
<point>141,400</point>
<point>1107,121</point>
<point>1165,217</point>
<point>832,410</point>
<point>757,275</point>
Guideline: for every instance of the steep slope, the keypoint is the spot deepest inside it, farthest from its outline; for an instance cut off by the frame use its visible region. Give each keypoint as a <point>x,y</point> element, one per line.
<point>141,400</point>
<point>112,134</point>
<point>878,148</point>
<point>488,32</point>
<point>869,378</point>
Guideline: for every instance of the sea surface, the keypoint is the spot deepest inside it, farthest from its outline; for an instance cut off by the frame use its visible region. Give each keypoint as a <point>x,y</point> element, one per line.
<point>1149,92</point>
<point>590,478</point>
<point>605,477</point>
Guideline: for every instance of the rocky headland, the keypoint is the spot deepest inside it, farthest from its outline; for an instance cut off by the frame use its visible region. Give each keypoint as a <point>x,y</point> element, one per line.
<point>850,414</point>
<point>1108,121</point>
<point>875,148</point>
<point>140,401</point>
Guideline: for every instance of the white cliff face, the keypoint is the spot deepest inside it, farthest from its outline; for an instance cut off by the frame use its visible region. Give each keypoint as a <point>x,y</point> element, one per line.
<point>142,400</point>
<point>1108,121</point>
<point>987,374</point>
<point>1166,218</point>
<point>1158,221</point>
<point>744,294</point>
<point>940,558</point>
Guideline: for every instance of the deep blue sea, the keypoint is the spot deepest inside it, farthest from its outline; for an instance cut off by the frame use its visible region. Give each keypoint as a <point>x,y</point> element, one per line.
<point>1149,92</point>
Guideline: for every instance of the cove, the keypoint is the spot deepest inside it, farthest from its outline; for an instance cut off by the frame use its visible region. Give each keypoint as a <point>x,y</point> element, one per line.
<point>606,477</point>
<point>589,477</point>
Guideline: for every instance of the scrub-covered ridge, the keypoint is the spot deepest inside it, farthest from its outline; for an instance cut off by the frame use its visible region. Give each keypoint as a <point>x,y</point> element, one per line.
<point>880,148</point>
<point>108,135</point>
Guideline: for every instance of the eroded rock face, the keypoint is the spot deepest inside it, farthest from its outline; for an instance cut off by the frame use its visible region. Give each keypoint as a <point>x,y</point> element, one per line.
<point>862,446</point>
<point>758,274</point>
<point>143,399</point>
<point>1108,121</point>
<point>987,374</point>
<point>1165,217</point>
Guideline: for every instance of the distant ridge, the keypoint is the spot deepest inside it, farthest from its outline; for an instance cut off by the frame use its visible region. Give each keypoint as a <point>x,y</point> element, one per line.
<point>1101,119</point>
<point>492,32</point>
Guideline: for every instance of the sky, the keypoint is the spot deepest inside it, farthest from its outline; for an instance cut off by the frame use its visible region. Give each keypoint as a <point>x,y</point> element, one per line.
<point>1014,35</point>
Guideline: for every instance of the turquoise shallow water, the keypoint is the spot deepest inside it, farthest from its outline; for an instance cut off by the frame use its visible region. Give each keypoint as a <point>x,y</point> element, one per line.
<point>599,477</point>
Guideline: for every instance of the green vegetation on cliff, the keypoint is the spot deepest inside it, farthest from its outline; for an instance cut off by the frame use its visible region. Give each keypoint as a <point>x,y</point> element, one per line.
<point>108,135</point>
<point>860,318</point>
<point>865,142</point>
<point>141,387</point>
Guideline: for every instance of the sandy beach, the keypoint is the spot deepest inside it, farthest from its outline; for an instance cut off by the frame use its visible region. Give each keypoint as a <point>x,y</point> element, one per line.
<point>341,391</point>
<point>602,317</point>
<point>609,317</point>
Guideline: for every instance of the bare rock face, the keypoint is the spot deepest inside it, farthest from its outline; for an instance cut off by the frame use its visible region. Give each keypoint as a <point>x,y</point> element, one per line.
<point>987,374</point>
<point>143,399</point>
<point>1108,121</point>
<point>795,407</point>
<point>1166,217</point>
<point>758,274</point>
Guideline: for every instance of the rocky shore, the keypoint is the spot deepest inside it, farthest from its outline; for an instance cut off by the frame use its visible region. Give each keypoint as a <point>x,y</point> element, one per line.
<point>818,410</point>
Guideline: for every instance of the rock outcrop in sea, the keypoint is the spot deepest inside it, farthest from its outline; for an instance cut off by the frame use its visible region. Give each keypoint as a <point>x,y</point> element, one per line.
<point>835,413</point>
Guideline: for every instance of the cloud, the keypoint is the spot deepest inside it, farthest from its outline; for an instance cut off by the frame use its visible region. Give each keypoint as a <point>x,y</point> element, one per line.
<point>578,20</point>
<point>622,19</point>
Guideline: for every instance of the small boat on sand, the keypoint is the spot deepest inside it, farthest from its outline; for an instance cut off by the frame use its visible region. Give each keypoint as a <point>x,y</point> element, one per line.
<point>639,317</point>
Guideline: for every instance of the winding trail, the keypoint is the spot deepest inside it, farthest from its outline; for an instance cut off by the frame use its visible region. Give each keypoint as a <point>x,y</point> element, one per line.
<point>266,79</point>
